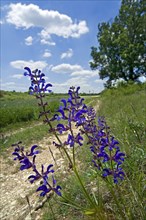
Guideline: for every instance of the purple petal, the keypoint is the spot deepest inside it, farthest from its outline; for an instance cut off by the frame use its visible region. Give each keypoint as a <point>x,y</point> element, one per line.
<point>56,190</point>
<point>29,71</point>
<point>48,169</point>
<point>32,151</point>
<point>64,102</point>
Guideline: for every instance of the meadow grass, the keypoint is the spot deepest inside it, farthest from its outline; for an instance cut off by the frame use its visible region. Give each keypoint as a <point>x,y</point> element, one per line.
<point>19,117</point>
<point>22,107</point>
<point>124,108</point>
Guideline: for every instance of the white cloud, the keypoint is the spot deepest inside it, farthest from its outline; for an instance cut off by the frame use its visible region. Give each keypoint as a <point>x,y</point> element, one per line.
<point>75,81</point>
<point>9,83</point>
<point>66,68</point>
<point>44,41</point>
<point>10,86</point>
<point>20,64</point>
<point>53,22</point>
<point>46,38</point>
<point>17,76</point>
<point>98,80</point>
<point>84,83</point>
<point>74,70</point>
<point>79,77</point>
<point>1,22</point>
<point>85,73</point>
<point>67,54</point>
<point>47,54</point>
<point>28,40</point>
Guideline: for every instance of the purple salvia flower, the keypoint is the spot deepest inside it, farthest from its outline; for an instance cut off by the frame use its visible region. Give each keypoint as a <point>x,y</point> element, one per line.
<point>38,84</point>
<point>18,156</point>
<point>78,139</point>
<point>32,152</point>
<point>33,178</point>
<point>70,141</point>
<point>106,151</point>
<point>44,190</point>
<point>26,164</point>
<point>61,128</point>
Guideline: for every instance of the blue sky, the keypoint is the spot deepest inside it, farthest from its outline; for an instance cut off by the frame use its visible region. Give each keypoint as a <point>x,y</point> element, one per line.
<point>54,36</point>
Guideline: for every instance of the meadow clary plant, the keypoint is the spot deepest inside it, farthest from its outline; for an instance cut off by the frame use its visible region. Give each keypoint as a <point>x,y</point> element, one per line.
<point>73,113</point>
<point>27,161</point>
<point>107,156</point>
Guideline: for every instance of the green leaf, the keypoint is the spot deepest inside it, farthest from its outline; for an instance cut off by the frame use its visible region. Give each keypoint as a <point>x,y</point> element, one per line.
<point>90,212</point>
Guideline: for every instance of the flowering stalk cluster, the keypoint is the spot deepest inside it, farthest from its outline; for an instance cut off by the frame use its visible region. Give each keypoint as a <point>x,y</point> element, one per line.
<point>107,156</point>
<point>106,152</point>
<point>39,88</point>
<point>72,111</point>
<point>26,163</point>
<point>38,83</point>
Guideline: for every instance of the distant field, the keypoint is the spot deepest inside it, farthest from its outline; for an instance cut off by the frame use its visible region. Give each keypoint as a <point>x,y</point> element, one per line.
<point>22,107</point>
<point>19,116</point>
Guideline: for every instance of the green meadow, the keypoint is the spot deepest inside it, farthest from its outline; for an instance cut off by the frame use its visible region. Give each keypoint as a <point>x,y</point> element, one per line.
<point>124,108</point>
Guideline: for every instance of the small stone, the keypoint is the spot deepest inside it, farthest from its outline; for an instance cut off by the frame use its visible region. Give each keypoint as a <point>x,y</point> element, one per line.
<point>94,189</point>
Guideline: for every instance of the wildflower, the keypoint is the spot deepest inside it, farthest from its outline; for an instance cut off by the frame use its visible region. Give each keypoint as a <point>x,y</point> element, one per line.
<point>21,155</point>
<point>27,163</point>
<point>38,83</point>
<point>47,188</point>
<point>107,156</point>
<point>39,87</point>
<point>32,152</point>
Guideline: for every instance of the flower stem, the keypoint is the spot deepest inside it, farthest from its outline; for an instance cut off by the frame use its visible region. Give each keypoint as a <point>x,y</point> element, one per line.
<point>83,188</point>
<point>52,211</point>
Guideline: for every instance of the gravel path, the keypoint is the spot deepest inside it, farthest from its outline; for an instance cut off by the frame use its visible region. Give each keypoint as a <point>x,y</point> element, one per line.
<point>14,186</point>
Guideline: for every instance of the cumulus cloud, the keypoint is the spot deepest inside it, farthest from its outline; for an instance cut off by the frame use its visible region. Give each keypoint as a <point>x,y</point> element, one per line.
<point>20,64</point>
<point>66,68</point>
<point>28,40</point>
<point>84,83</point>
<point>17,76</point>
<point>78,77</point>
<point>67,54</point>
<point>74,70</point>
<point>1,22</point>
<point>47,54</point>
<point>9,83</point>
<point>31,15</point>
<point>85,73</point>
<point>46,38</point>
<point>75,81</point>
<point>10,86</point>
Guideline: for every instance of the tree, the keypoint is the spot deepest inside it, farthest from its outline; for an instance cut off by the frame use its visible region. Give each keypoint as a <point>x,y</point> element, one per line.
<point>121,52</point>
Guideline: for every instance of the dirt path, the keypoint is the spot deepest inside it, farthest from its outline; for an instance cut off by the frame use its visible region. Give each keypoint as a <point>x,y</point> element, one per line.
<point>14,186</point>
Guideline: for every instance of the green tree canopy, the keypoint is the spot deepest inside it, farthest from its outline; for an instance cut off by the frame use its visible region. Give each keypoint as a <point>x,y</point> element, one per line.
<point>122,44</point>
